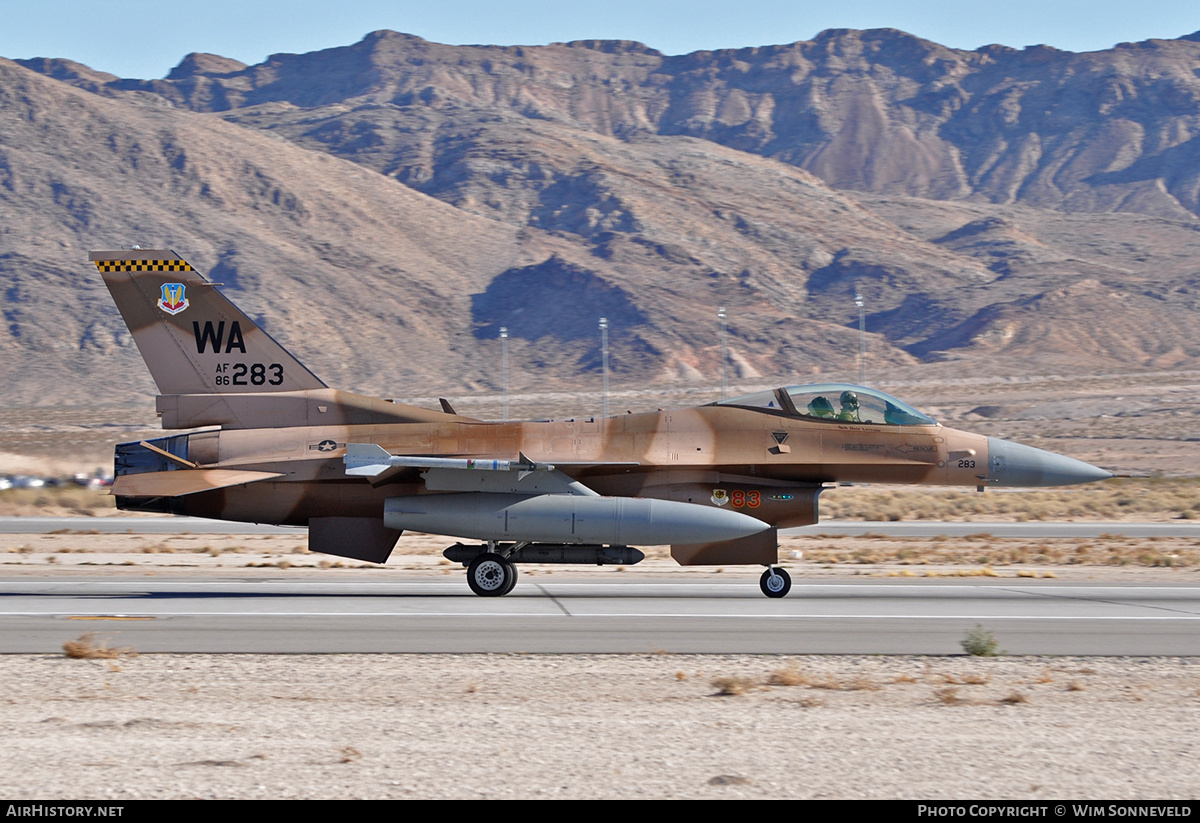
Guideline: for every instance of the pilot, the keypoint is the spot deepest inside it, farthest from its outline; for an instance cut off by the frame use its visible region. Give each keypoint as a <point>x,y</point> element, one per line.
<point>820,406</point>
<point>849,412</point>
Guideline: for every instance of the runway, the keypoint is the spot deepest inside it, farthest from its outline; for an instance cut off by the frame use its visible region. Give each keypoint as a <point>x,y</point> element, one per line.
<point>577,616</point>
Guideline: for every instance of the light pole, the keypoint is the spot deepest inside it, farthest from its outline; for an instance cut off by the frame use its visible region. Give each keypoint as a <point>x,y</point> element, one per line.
<point>862,337</point>
<point>724,355</point>
<point>604,359</point>
<point>504,367</point>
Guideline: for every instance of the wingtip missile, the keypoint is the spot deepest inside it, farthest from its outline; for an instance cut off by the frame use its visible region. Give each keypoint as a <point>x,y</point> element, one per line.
<point>371,459</point>
<point>366,459</point>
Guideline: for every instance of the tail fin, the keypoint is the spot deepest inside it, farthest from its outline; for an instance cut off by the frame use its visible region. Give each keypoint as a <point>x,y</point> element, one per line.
<point>194,341</point>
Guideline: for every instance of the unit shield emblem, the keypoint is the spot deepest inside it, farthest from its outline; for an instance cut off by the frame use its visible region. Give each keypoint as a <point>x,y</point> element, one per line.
<point>719,497</point>
<point>174,298</point>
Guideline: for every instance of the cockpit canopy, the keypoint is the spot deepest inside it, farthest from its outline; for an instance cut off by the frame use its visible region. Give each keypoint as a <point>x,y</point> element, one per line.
<point>835,402</point>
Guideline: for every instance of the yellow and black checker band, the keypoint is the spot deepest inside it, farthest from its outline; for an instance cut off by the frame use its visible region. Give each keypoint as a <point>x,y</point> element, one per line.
<point>142,265</point>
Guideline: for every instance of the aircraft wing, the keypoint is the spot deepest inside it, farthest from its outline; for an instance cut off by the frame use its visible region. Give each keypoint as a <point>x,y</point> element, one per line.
<point>184,481</point>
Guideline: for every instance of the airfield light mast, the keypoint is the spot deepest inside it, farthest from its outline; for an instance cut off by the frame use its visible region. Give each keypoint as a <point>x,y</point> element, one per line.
<point>504,366</point>
<point>724,355</point>
<point>604,358</point>
<point>862,337</point>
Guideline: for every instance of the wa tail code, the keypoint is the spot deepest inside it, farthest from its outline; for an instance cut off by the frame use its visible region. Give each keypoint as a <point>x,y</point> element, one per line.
<point>207,335</point>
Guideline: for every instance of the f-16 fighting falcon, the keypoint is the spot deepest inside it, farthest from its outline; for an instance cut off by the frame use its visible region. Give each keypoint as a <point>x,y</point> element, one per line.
<point>715,482</point>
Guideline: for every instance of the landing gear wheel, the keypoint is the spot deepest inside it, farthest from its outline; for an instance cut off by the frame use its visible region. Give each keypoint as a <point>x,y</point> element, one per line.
<point>775,582</point>
<point>490,575</point>
<point>512,576</point>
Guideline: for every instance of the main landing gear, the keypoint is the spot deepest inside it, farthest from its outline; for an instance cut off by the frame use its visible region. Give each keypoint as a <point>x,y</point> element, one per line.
<point>775,582</point>
<point>491,571</point>
<point>491,575</point>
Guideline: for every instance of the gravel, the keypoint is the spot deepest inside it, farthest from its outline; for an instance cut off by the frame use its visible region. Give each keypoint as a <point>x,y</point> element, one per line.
<point>598,726</point>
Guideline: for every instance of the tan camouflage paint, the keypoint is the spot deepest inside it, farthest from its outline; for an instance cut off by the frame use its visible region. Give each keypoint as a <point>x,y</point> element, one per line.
<point>288,438</point>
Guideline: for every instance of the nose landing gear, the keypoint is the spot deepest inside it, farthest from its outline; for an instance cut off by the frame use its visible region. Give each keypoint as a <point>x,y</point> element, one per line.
<point>775,582</point>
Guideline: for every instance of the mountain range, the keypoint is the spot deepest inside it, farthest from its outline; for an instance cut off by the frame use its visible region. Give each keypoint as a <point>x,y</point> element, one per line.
<point>384,208</point>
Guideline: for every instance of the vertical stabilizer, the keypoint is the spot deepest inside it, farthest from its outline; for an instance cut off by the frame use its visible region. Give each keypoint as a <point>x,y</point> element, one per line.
<point>194,341</point>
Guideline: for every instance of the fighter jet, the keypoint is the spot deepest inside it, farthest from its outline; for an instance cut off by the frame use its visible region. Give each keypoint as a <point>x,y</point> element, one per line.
<point>271,443</point>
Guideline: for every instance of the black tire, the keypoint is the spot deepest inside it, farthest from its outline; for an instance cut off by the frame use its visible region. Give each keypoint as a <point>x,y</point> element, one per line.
<point>775,583</point>
<point>512,576</point>
<point>490,575</point>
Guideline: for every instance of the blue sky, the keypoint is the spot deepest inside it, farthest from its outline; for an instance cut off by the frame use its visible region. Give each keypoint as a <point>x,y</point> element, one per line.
<point>145,38</point>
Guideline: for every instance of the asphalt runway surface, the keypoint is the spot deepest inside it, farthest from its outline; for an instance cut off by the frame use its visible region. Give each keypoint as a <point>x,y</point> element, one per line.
<point>579,616</point>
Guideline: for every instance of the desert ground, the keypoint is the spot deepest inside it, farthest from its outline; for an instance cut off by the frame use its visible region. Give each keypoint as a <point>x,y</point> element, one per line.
<point>567,726</point>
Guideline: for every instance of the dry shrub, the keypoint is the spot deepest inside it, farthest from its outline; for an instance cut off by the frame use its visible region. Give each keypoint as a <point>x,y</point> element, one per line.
<point>1075,686</point>
<point>732,686</point>
<point>948,696</point>
<point>86,648</point>
<point>977,679</point>
<point>790,676</point>
<point>1014,698</point>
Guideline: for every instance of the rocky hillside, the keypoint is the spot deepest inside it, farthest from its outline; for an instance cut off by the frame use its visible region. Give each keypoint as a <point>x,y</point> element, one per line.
<point>385,207</point>
<point>879,111</point>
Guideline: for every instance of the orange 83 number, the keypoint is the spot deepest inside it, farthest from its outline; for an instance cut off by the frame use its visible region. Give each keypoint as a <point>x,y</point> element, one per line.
<point>741,499</point>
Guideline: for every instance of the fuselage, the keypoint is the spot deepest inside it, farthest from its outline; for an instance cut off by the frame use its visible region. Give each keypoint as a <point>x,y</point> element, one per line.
<point>756,458</point>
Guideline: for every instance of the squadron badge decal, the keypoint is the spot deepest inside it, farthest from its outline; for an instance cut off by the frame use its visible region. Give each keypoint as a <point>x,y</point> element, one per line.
<point>174,298</point>
<point>719,497</point>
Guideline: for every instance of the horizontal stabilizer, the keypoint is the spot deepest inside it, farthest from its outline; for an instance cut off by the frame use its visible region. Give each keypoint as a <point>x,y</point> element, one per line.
<point>184,481</point>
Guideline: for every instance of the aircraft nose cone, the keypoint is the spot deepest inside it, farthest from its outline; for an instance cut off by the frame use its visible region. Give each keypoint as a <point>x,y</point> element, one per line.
<point>1012,464</point>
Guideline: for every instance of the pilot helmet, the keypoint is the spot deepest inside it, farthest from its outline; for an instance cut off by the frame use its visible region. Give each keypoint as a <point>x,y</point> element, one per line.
<point>849,398</point>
